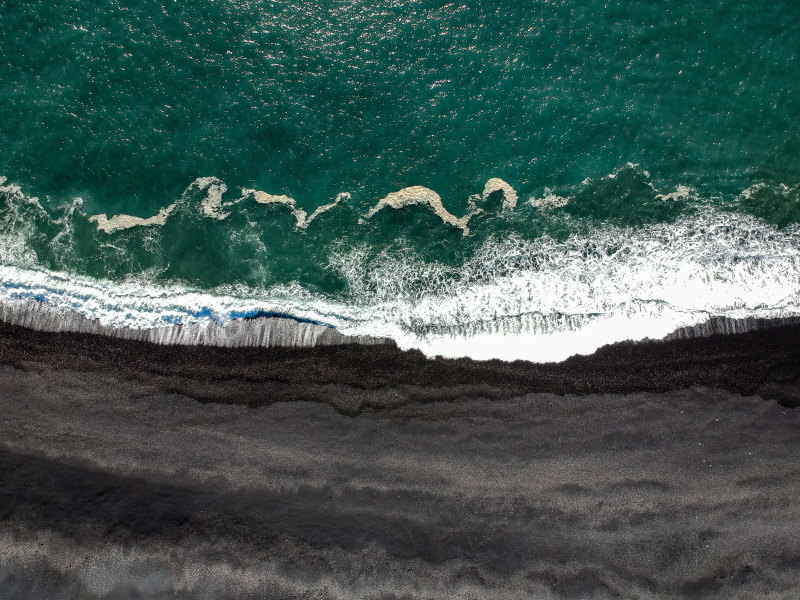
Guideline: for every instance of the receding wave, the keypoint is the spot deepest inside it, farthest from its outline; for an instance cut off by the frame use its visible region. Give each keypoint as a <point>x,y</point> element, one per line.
<point>166,314</point>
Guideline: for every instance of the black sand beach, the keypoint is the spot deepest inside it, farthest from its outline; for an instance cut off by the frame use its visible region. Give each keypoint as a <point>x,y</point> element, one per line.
<point>653,470</point>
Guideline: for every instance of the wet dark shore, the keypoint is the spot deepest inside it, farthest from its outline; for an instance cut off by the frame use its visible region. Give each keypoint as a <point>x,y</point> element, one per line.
<point>352,377</point>
<point>664,470</point>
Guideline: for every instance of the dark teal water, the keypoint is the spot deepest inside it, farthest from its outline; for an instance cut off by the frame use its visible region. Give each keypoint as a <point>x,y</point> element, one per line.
<point>612,106</point>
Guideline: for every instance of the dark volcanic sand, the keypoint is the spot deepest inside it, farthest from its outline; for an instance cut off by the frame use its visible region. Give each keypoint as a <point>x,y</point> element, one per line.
<point>665,470</point>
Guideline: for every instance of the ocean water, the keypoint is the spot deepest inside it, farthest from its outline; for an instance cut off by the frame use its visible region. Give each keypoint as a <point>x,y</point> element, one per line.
<point>497,180</point>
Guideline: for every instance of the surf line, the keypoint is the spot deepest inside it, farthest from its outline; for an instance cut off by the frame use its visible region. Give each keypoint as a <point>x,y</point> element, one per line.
<point>212,206</point>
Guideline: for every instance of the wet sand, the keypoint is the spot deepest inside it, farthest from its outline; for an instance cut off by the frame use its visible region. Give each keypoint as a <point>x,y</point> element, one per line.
<point>660,470</point>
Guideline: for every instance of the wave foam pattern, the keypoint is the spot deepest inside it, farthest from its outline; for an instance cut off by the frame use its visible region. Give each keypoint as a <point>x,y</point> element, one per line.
<point>213,206</point>
<point>302,217</point>
<point>49,301</point>
<point>539,300</point>
<point>545,300</point>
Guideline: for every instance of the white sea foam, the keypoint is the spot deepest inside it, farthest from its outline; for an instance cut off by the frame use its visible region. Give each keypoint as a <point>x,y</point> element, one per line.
<point>166,314</point>
<point>300,215</point>
<point>211,206</point>
<point>421,195</point>
<point>545,300</point>
<point>680,193</point>
<point>780,189</point>
<point>510,196</point>
<point>418,194</point>
<point>264,332</point>
<point>18,222</point>
<point>549,200</point>
<point>119,222</point>
<point>539,300</point>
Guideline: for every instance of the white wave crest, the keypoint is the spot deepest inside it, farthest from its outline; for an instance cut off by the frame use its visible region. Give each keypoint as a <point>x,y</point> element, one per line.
<point>418,194</point>
<point>510,196</point>
<point>264,332</point>
<point>549,200</point>
<point>544,300</point>
<point>212,207</point>
<point>541,300</point>
<point>120,222</point>
<point>780,189</point>
<point>18,224</point>
<point>300,215</point>
<point>680,193</point>
<point>142,310</point>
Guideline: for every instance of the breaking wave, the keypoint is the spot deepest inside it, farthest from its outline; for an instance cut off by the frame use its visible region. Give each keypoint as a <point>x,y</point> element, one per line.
<point>545,300</point>
<point>540,300</point>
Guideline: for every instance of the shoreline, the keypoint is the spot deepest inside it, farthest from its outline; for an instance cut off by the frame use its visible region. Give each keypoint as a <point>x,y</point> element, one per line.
<point>764,361</point>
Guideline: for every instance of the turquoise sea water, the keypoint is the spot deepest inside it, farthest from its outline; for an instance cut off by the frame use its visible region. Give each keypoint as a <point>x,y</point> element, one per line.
<point>630,131</point>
